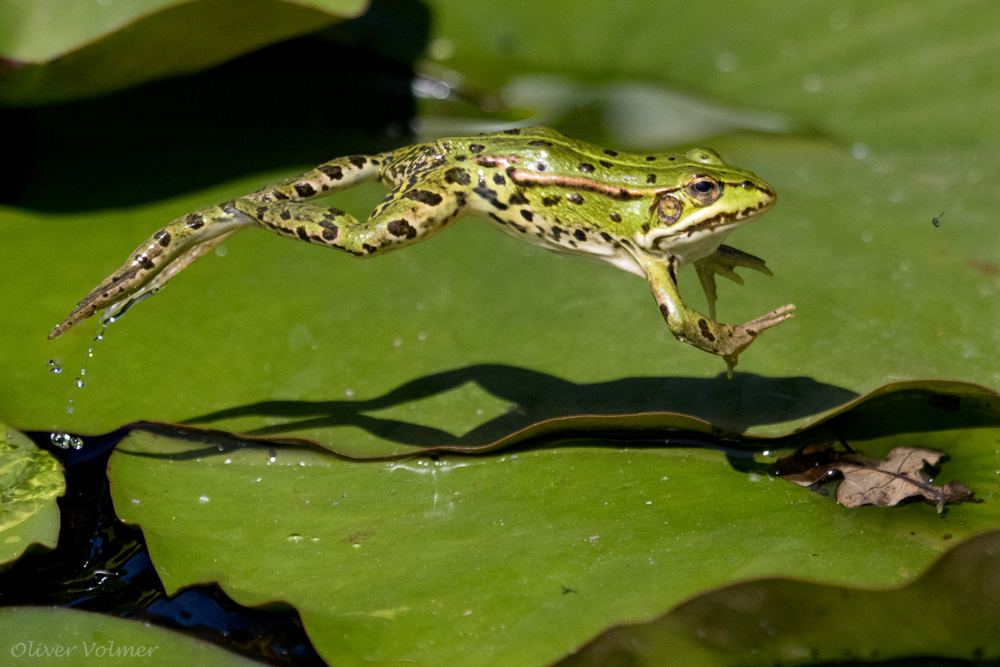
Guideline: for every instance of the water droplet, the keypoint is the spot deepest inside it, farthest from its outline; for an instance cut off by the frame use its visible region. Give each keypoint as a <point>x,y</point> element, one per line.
<point>90,352</point>
<point>349,392</point>
<point>76,442</point>
<point>79,383</point>
<point>55,366</point>
<point>294,538</point>
<point>229,460</point>
<point>83,371</point>
<point>725,62</point>
<point>60,440</point>
<point>69,408</point>
<point>116,312</point>
<point>203,499</point>
<point>812,83</point>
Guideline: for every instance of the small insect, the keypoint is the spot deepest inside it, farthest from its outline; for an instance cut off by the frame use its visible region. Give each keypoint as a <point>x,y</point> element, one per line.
<point>937,221</point>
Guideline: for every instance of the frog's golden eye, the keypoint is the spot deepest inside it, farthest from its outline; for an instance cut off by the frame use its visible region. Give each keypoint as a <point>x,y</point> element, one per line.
<point>669,209</point>
<point>704,189</point>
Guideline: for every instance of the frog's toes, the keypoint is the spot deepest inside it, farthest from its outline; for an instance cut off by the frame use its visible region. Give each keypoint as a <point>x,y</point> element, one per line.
<point>767,321</point>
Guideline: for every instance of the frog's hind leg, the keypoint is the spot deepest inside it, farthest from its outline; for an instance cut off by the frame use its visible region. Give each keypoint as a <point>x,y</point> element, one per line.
<point>723,262</point>
<point>408,215</point>
<point>184,240</point>
<point>158,258</point>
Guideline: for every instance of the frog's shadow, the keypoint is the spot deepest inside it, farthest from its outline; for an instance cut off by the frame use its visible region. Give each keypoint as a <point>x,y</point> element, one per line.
<point>732,405</point>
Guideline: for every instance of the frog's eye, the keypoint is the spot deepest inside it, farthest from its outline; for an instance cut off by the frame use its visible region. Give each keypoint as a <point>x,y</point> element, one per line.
<point>669,209</point>
<point>704,189</point>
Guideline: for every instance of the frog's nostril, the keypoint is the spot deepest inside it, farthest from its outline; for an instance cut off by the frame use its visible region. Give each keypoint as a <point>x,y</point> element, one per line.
<point>746,185</point>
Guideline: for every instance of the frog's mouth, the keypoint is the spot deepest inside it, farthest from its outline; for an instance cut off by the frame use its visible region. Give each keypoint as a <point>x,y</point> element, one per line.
<point>724,219</point>
<point>711,228</point>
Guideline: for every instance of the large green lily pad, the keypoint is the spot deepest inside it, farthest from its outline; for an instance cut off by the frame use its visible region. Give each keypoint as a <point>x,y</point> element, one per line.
<point>57,50</point>
<point>30,479</point>
<point>69,637</point>
<point>882,295</point>
<point>511,558</point>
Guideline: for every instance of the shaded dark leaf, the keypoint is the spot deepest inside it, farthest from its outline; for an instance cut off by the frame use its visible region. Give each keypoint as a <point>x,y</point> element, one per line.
<point>902,474</point>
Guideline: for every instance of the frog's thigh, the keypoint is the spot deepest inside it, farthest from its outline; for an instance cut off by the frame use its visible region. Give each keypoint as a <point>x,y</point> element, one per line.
<point>404,218</point>
<point>411,214</point>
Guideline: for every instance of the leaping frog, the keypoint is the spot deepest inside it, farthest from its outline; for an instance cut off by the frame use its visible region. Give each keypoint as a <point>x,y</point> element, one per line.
<point>646,214</point>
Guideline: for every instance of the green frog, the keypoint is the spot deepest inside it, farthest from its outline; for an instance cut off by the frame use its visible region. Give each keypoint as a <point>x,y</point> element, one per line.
<point>647,214</point>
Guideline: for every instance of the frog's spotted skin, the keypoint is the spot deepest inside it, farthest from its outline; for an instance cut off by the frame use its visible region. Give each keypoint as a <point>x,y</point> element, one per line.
<point>647,214</point>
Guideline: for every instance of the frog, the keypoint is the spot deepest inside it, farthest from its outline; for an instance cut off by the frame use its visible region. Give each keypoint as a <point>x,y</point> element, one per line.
<point>650,215</point>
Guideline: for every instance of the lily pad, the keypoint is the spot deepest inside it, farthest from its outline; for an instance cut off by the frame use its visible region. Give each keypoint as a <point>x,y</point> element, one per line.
<point>54,636</point>
<point>55,50</point>
<point>31,479</point>
<point>895,74</point>
<point>511,558</point>
<point>947,613</point>
<point>375,327</point>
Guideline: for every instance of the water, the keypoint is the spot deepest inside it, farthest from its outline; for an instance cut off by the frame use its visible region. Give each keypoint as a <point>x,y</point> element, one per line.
<point>55,366</point>
<point>116,312</point>
<point>65,440</point>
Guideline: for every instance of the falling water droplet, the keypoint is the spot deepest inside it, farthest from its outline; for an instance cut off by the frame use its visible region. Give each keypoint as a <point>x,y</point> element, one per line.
<point>54,366</point>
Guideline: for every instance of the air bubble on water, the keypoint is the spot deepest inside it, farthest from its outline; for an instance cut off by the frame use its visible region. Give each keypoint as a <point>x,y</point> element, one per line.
<point>55,366</point>
<point>61,440</point>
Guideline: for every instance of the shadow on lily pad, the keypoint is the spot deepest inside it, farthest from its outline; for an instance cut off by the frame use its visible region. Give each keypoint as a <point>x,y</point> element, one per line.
<point>728,405</point>
<point>949,612</point>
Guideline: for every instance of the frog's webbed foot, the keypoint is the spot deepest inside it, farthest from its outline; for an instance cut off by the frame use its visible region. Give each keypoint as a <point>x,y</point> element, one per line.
<point>723,262</point>
<point>738,338</point>
<point>706,334</point>
<point>159,258</point>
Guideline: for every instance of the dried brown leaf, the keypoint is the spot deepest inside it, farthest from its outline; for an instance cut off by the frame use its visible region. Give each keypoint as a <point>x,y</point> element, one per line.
<point>903,474</point>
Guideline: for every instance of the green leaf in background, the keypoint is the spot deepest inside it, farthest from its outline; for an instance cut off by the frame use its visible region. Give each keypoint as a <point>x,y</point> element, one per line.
<point>949,612</point>
<point>55,50</point>
<point>512,558</point>
<point>30,479</point>
<point>70,637</point>
<point>892,75</point>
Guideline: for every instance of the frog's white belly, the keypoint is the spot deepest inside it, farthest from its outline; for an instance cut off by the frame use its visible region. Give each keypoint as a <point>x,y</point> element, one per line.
<point>567,241</point>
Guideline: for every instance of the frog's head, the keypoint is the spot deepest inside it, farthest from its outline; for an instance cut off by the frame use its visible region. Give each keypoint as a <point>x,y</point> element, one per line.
<point>707,201</point>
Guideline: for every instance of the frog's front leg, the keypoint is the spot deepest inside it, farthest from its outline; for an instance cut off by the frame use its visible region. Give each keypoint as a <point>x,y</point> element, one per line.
<point>184,240</point>
<point>723,262</point>
<point>692,327</point>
